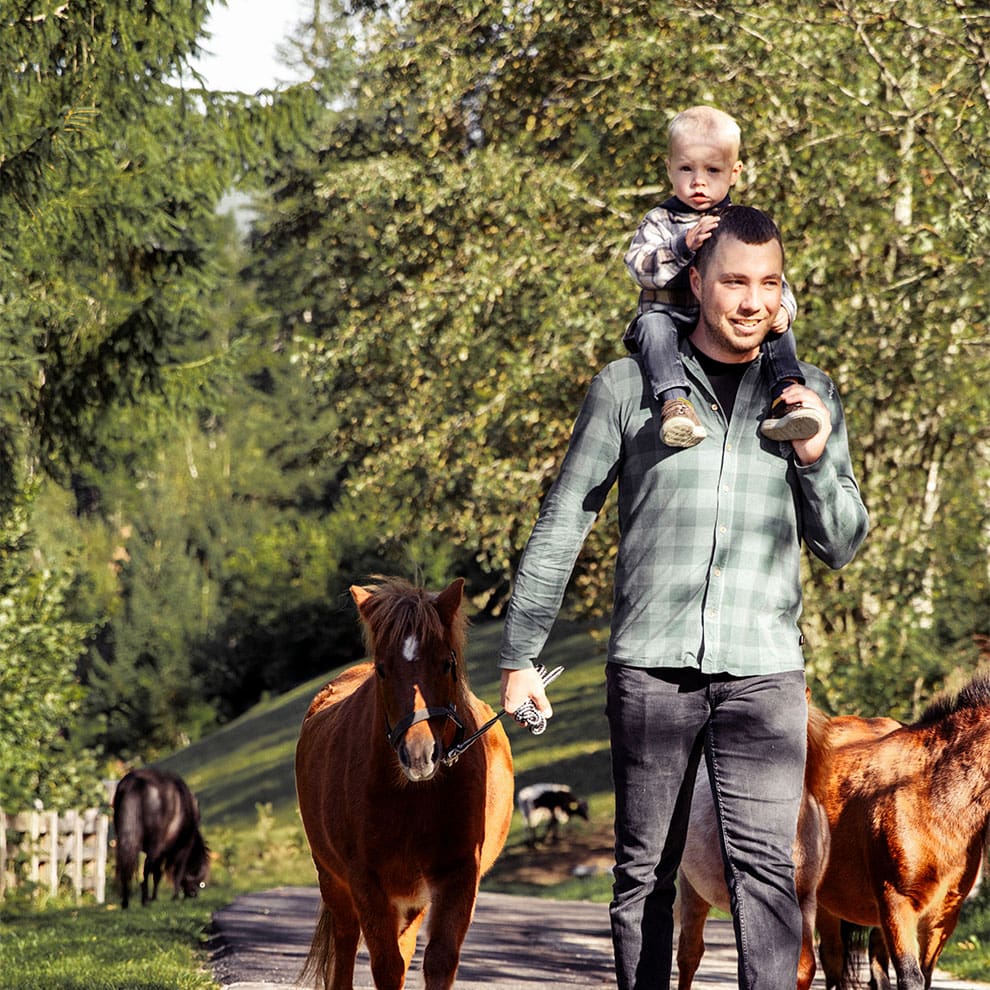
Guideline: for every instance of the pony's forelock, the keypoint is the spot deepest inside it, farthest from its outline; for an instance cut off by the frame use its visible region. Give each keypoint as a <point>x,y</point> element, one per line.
<point>398,609</point>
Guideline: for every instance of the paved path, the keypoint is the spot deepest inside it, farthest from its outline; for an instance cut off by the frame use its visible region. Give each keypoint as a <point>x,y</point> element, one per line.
<point>259,942</point>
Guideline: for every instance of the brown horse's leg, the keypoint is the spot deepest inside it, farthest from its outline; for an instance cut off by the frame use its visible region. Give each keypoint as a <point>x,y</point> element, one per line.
<point>335,941</point>
<point>806,962</point>
<point>380,924</point>
<point>879,961</point>
<point>830,948</point>
<point>937,934</point>
<point>899,920</point>
<point>450,918</point>
<point>153,871</point>
<point>407,938</point>
<point>691,938</point>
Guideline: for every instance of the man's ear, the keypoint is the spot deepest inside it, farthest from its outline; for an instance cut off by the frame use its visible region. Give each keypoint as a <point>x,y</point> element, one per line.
<point>695,276</point>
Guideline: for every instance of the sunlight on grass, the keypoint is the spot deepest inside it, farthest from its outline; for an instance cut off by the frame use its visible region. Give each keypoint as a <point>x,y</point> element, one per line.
<point>104,948</point>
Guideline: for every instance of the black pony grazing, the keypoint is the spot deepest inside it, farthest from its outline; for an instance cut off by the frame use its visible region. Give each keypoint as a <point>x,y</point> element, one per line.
<point>154,812</point>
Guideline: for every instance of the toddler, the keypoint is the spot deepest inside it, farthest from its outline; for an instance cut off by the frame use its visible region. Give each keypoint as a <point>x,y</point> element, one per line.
<point>702,165</point>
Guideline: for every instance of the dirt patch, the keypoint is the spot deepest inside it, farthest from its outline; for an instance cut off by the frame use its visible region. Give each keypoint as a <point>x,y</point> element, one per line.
<point>580,850</point>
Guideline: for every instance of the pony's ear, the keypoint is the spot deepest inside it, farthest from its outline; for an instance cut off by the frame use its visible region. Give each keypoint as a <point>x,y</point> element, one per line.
<point>360,595</point>
<point>449,600</point>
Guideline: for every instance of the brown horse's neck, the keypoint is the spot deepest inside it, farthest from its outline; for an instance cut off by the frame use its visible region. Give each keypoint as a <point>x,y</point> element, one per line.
<point>960,770</point>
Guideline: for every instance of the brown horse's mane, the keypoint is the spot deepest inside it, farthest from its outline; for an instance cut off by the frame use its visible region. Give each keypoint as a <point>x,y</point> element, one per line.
<point>975,695</point>
<point>398,609</point>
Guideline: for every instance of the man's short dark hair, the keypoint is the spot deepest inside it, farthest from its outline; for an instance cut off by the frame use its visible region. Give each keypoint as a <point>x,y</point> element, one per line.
<point>746,224</point>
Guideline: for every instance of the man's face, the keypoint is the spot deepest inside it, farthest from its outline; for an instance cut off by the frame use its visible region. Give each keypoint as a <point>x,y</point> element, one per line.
<point>739,296</point>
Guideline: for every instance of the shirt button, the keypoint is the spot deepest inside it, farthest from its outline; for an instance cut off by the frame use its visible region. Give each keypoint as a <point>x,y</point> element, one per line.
<point>728,446</point>
<point>714,407</point>
<point>717,572</point>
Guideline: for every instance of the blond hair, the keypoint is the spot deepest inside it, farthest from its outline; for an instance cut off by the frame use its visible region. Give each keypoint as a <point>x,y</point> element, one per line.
<point>707,124</point>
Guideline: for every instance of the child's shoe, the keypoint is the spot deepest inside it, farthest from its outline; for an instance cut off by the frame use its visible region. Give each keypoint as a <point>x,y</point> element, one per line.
<point>791,421</point>
<point>680,426</point>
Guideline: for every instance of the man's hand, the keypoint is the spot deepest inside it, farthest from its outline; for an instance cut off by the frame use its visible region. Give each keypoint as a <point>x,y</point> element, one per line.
<point>519,686</point>
<point>808,451</point>
<point>701,231</point>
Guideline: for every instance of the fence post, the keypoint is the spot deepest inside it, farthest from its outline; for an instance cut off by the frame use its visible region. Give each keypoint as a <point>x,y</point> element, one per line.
<point>102,837</point>
<point>77,853</point>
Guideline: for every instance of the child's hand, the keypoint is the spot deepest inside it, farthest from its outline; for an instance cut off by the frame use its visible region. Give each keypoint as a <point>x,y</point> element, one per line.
<point>781,321</point>
<point>701,231</point>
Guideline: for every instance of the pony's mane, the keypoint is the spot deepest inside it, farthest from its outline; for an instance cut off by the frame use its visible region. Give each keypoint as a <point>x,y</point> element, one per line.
<point>975,695</point>
<point>398,609</point>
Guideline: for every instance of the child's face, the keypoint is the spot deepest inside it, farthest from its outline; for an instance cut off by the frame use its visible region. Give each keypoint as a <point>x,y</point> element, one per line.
<point>701,174</point>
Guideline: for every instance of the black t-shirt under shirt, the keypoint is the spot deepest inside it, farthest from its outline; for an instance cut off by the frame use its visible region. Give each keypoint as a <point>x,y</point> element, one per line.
<point>725,378</point>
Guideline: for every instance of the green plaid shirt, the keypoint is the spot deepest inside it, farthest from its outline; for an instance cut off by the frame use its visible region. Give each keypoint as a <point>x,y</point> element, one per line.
<point>708,569</point>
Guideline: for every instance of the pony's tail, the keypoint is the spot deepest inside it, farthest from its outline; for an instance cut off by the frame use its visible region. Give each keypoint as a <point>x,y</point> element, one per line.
<point>817,768</point>
<point>319,961</point>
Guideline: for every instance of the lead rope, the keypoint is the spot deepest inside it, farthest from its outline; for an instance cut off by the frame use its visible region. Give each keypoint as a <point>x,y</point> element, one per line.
<point>527,715</point>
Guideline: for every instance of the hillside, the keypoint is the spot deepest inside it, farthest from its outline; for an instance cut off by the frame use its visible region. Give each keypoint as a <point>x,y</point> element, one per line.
<point>249,763</point>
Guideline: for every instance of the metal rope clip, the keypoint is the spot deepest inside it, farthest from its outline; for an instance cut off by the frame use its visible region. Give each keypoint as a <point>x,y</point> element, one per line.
<point>527,714</point>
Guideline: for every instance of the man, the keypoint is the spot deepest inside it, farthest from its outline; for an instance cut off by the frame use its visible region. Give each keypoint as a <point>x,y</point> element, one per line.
<point>705,653</point>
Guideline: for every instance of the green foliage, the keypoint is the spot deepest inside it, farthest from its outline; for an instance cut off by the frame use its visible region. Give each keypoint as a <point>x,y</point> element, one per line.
<point>111,168</point>
<point>454,270</point>
<point>40,755</point>
<point>387,382</point>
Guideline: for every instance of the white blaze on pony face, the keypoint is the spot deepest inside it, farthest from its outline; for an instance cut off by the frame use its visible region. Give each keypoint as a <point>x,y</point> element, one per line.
<point>410,649</point>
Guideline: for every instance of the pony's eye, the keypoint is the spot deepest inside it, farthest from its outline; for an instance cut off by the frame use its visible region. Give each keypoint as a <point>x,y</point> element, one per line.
<point>380,670</point>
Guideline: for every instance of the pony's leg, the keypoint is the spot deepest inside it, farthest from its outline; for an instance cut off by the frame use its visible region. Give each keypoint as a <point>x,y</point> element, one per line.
<point>937,933</point>
<point>450,918</point>
<point>156,877</point>
<point>178,872</point>
<point>806,961</point>
<point>380,923</point>
<point>899,920</point>
<point>335,941</point>
<point>830,947</point>
<point>149,867</point>
<point>691,937</point>
<point>407,938</point>
<point>879,961</point>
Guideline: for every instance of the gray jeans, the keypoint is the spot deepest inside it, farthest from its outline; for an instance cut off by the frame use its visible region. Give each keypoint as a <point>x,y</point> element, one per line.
<point>752,733</point>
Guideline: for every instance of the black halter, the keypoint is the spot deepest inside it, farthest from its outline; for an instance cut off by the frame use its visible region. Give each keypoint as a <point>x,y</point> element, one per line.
<point>395,733</point>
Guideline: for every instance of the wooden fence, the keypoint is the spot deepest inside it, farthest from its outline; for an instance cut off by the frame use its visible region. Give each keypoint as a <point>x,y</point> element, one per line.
<point>51,848</point>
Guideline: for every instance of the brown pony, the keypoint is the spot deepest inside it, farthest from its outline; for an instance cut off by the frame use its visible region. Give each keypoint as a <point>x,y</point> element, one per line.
<point>701,882</point>
<point>394,827</point>
<point>154,812</point>
<point>836,939</point>
<point>908,815</point>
